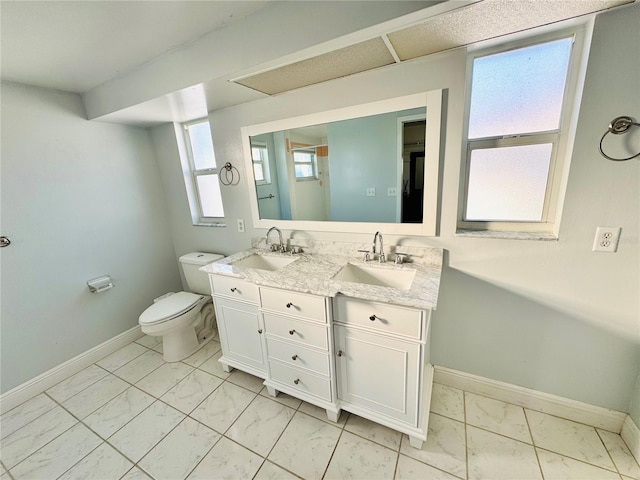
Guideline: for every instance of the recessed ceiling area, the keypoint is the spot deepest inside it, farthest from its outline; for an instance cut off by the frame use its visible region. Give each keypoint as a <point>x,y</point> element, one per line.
<point>356,58</point>
<point>459,27</point>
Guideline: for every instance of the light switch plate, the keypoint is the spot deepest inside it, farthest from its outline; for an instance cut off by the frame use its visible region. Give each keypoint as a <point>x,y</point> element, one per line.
<point>391,192</point>
<point>371,192</point>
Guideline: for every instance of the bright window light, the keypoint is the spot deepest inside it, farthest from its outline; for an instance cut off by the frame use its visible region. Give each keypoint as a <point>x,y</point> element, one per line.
<point>517,104</point>
<point>206,204</point>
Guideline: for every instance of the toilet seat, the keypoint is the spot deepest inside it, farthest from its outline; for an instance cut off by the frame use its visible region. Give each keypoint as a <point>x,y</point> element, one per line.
<point>170,307</point>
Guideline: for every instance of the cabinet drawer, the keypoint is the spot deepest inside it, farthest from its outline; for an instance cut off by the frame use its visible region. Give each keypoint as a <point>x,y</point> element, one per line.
<point>381,317</point>
<point>298,356</point>
<point>300,380</point>
<point>294,303</point>
<point>292,330</point>
<point>235,288</point>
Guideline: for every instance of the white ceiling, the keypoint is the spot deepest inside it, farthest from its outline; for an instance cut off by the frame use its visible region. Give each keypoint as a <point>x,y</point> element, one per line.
<point>78,45</point>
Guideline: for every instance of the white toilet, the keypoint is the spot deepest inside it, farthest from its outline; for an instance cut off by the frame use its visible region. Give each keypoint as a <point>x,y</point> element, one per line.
<point>184,320</point>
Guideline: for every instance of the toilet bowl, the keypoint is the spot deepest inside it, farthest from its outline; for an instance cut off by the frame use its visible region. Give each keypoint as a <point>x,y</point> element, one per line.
<point>184,320</point>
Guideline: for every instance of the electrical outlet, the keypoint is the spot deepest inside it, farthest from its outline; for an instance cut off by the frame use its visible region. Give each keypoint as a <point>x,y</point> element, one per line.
<point>371,191</point>
<point>240,225</point>
<point>606,239</point>
<point>391,192</point>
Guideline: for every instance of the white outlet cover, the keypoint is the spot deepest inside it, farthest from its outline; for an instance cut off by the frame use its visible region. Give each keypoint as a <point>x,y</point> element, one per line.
<point>240,225</point>
<point>606,239</point>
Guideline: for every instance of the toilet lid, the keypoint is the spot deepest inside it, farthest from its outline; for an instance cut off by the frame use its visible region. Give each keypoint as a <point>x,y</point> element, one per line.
<point>170,307</point>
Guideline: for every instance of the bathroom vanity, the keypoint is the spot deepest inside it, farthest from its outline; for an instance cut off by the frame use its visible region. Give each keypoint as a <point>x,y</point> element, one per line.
<point>333,330</point>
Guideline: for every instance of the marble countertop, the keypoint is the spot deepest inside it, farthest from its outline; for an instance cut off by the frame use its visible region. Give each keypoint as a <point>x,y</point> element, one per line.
<point>314,270</point>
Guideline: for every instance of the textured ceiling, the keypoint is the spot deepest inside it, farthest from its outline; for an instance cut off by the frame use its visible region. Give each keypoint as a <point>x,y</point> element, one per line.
<point>339,63</point>
<point>469,24</point>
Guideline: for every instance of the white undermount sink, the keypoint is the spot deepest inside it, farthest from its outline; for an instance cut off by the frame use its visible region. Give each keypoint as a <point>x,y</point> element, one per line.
<point>263,262</point>
<point>380,277</point>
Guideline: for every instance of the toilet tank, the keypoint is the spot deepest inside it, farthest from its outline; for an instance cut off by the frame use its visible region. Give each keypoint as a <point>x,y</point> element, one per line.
<point>197,281</point>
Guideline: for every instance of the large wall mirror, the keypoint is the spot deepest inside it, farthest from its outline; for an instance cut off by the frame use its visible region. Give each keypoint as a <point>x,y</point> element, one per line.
<point>356,169</point>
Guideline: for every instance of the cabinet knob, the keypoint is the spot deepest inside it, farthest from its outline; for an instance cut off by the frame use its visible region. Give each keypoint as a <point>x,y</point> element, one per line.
<point>234,289</point>
<point>339,353</point>
<point>259,330</point>
<point>291,332</point>
<point>296,381</point>
<point>289,305</point>
<point>294,357</point>
<point>372,318</point>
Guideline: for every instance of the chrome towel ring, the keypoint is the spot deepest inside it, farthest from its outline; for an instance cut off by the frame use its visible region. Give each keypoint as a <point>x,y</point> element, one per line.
<point>618,126</point>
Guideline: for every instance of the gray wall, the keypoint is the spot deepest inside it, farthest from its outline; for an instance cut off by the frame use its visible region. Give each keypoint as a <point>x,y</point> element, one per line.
<point>551,316</point>
<point>375,139</point>
<point>79,199</point>
<point>634,406</point>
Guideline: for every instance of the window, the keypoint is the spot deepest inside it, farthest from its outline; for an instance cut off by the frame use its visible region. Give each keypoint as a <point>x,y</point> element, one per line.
<point>519,104</point>
<point>304,164</point>
<point>207,199</point>
<point>260,158</point>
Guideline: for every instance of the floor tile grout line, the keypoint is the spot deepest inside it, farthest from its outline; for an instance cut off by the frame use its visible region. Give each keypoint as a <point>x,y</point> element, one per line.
<point>168,433</point>
<point>107,372</point>
<point>333,451</point>
<point>203,456</point>
<point>538,447</point>
<point>44,445</point>
<point>96,362</point>
<point>36,418</point>
<point>535,449</point>
<point>524,408</point>
<point>580,461</point>
<point>615,465</point>
<point>81,459</point>
<point>466,433</point>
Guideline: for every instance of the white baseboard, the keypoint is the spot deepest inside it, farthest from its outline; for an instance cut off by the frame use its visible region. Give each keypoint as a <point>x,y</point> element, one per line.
<point>39,384</point>
<point>631,435</point>
<point>595,416</point>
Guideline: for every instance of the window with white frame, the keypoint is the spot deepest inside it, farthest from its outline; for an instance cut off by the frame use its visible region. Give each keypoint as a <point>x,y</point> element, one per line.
<point>520,101</point>
<point>204,171</point>
<point>305,164</point>
<point>260,158</point>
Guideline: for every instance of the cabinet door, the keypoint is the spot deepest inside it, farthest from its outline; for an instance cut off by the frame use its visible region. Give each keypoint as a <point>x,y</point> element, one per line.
<point>378,373</point>
<point>241,333</point>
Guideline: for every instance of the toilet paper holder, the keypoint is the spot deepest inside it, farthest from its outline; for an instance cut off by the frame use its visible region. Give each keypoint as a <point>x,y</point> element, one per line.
<point>100,284</point>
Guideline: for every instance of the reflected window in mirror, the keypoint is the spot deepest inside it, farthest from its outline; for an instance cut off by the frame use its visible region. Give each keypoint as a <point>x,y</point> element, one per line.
<point>260,158</point>
<point>304,162</point>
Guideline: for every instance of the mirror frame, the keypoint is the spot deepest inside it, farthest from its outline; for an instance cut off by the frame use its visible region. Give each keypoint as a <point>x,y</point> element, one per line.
<point>432,100</point>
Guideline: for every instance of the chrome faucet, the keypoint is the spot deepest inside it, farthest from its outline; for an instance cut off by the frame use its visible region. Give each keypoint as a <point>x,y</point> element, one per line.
<point>381,256</point>
<point>282,247</point>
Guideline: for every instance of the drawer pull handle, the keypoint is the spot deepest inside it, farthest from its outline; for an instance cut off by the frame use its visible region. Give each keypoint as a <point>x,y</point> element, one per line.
<point>296,381</point>
<point>372,318</point>
<point>234,289</point>
<point>294,357</point>
<point>289,305</point>
<point>291,332</point>
<point>339,353</point>
<point>259,330</point>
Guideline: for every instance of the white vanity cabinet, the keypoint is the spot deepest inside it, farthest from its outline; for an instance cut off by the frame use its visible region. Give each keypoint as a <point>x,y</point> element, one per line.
<point>298,338</point>
<point>240,325</point>
<point>382,364</point>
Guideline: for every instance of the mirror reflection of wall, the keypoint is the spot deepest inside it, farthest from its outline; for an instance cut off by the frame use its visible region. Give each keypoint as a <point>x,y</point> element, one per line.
<point>356,170</point>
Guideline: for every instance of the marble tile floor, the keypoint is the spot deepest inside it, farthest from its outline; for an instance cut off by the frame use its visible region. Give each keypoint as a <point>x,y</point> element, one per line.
<point>131,416</point>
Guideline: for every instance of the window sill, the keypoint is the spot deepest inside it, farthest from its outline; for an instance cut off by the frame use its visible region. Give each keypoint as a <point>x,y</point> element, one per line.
<point>539,236</point>
<point>212,224</point>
